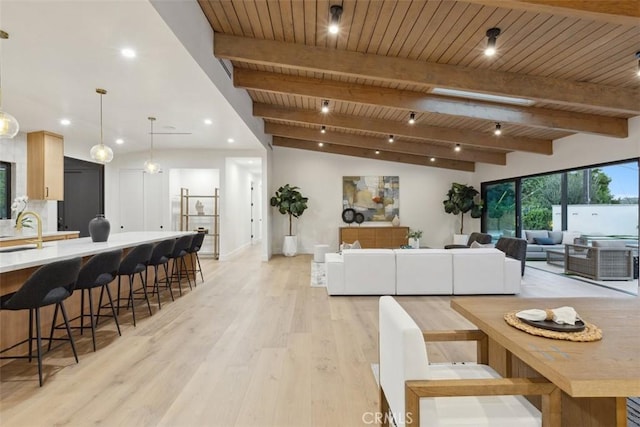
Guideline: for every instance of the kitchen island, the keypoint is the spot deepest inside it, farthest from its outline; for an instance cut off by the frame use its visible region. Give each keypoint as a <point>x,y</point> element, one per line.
<point>17,266</point>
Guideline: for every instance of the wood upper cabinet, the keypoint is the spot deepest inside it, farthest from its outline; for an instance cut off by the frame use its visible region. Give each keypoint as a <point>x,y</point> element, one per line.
<point>45,166</point>
<point>375,237</point>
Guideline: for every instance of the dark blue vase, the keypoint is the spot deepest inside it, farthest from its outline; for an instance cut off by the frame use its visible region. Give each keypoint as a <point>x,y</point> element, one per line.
<point>99,228</point>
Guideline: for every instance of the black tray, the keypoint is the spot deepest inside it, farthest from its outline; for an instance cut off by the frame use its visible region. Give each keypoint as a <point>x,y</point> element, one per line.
<point>553,326</point>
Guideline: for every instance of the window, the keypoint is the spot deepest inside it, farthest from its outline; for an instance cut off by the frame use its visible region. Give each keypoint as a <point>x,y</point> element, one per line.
<point>596,200</point>
<point>5,190</point>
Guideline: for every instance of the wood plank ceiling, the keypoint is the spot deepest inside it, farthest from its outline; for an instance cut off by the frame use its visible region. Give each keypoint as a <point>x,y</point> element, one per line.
<point>574,61</point>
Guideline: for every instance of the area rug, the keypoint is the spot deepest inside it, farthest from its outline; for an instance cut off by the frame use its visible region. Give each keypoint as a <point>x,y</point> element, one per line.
<point>633,403</point>
<point>318,274</point>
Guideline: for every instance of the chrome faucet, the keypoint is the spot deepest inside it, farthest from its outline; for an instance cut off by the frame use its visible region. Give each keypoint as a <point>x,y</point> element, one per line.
<point>38,241</point>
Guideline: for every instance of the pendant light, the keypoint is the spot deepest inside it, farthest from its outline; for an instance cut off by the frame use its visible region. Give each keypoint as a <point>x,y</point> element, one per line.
<point>150,166</point>
<point>100,152</point>
<point>9,126</point>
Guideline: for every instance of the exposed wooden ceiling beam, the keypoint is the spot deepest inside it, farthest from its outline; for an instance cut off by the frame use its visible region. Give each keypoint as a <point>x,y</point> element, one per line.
<point>366,153</point>
<point>417,101</point>
<point>451,135</point>
<point>415,148</point>
<point>408,71</point>
<point>612,11</point>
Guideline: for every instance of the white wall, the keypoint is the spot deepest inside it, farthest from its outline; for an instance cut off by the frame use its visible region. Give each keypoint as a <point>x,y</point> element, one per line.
<point>570,152</point>
<point>319,176</point>
<point>237,208</point>
<point>232,228</point>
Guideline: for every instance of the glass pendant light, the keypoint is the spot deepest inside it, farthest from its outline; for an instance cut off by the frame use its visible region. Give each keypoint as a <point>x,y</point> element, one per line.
<point>100,152</point>
<point>9,126</point>
<point>150,166</point>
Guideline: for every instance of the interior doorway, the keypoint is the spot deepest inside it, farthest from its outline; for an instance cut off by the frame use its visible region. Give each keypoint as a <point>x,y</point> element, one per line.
<point>83,195</point>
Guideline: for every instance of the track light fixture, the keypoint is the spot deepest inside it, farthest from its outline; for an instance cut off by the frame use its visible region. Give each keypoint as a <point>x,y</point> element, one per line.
<point>412,118</point>
<point>498,130</point>
<point>391,138</point>
<point>492,35</point>
<point>323,129</point>
<point>638,58</point>
<point>325,106</point>
<point>334,22</point>
<point>457,148</point>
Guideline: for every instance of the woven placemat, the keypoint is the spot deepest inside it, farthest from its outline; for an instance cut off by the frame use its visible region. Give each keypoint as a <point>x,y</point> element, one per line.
<point>590,333</point>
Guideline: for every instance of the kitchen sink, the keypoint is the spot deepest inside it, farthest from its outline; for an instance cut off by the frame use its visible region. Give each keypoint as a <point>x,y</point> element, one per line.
<point>16,249</point>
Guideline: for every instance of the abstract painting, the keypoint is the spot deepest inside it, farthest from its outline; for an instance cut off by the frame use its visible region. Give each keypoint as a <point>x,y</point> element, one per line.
<point>376,197</point>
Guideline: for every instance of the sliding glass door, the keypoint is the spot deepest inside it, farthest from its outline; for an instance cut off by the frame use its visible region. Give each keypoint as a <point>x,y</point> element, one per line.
<point>500,218</point>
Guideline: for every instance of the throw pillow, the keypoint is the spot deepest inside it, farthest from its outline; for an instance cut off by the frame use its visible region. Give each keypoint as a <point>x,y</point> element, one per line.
<point>532,234</point>
<point>543,241</point>
<point>356,245</point>
<point>556,236</point>
<point>476,245</point>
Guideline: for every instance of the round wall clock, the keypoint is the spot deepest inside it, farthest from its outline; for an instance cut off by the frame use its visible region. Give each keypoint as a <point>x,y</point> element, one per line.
<point>359,218</point>
<point>348,215</point>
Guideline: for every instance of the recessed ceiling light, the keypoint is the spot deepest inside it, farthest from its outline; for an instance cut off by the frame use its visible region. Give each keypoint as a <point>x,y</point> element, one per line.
<point>320,144</point>
<point>128,52</point>
<point>65,122</point>
<point>230,140</point>
<point>377,151</point>
<point>208,121</point>
<point>119,141</point>
<point>482,96</point>
<point>433,159</point>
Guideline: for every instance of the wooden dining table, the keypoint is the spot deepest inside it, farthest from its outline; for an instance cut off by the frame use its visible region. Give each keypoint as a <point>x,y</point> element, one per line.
<point>595,377</point>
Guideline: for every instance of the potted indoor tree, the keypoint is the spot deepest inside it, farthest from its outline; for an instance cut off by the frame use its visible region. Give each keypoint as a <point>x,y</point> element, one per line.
<point>289,201</point>
<point>461,199</point>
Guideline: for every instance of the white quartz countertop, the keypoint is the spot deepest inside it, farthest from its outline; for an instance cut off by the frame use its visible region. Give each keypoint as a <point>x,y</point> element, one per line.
<point>66,249</point>
<point>32,233</point>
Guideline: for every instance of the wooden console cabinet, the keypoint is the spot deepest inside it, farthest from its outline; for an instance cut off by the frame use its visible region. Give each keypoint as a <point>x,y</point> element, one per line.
<point>374,237</point>
<point>45,166</point>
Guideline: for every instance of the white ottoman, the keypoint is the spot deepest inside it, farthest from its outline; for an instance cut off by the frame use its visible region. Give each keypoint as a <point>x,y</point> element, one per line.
<point>319,251</point>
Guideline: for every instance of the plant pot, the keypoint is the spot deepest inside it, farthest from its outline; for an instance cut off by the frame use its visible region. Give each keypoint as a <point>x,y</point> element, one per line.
<point>290,246</point>
<point>415,243</point>
<point>460,239</point>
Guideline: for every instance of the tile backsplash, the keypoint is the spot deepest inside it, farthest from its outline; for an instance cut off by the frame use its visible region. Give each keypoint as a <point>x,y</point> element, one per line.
<point>14,151</point>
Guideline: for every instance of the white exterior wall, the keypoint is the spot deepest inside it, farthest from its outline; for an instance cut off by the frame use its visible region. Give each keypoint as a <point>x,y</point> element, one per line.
<point>599,219</point>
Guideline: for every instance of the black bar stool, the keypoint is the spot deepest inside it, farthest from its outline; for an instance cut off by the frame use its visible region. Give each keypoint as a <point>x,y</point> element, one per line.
<point>50,284</point>
<point>135,262</point>
<point>98,272</point>
<point>178,254</point>
<point>196,244</point>
<point>160,257</point>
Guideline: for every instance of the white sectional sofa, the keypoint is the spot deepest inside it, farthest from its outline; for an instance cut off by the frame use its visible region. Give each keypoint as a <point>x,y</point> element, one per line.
<point>422,272</point>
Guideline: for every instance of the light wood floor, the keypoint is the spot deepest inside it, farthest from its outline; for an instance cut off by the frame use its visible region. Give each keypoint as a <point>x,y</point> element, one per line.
<point>254,345</point>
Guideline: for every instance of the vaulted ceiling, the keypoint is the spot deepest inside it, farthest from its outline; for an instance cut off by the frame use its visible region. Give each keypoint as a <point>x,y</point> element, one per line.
<point>574,61</point>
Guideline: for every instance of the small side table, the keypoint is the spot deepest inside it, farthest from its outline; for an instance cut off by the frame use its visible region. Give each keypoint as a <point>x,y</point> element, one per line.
<point>319,251</point>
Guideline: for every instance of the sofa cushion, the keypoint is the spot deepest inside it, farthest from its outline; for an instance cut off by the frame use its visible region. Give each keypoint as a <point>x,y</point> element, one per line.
<point>424,272</point>
<point>543,240</point>
<point>609,244</point>
<point>556,236</point>
<point>532,234</point>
